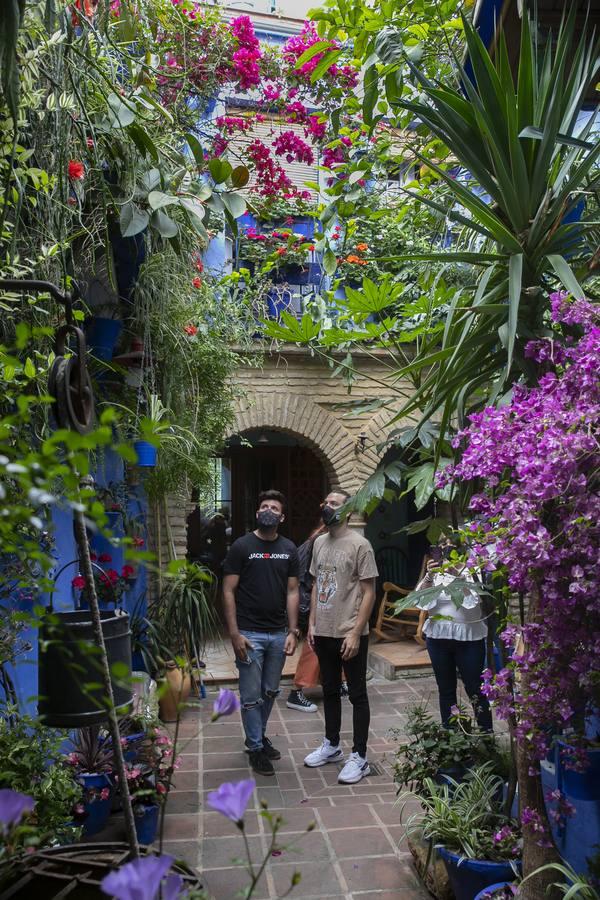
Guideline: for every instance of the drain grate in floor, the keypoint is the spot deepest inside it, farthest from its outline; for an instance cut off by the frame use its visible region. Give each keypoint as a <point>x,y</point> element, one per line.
<point>376,769</point>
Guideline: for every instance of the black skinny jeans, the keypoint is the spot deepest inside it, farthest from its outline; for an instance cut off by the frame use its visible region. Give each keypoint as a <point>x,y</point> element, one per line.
<point>328,651</point>
<point>469,658</point>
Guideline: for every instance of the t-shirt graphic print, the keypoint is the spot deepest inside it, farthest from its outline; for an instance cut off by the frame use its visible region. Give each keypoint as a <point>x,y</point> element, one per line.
<point>326,586</point>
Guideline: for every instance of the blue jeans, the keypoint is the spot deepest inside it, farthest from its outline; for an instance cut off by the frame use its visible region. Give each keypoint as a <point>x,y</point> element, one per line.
<point>469,658</point>
<point>259,682</point>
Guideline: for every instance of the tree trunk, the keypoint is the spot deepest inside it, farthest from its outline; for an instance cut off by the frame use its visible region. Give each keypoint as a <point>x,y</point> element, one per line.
<point>531,795</point>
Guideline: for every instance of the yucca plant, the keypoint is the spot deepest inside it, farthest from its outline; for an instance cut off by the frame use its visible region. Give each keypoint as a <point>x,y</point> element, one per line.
<point>183,618</point>
<point>516,139</point>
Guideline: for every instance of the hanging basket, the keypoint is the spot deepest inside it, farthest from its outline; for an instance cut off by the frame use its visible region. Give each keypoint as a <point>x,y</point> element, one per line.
<point>71,694</point>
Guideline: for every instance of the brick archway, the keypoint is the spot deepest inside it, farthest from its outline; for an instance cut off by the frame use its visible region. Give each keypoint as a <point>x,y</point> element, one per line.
<point>319,430</point>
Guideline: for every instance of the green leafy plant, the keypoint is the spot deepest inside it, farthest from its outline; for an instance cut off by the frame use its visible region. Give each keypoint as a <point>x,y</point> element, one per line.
<point>432,749</point>
<point>466,817</point>
<point>31,762</point>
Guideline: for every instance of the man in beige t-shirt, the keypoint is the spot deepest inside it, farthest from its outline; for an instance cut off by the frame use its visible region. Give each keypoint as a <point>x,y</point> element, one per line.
<point>344,572</point>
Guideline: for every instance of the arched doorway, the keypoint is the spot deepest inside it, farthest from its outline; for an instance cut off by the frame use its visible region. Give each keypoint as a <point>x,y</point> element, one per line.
<point>263,459</point>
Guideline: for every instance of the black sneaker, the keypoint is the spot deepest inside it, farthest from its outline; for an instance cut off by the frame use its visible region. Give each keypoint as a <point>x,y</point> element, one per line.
<point>260,763</point>
<point>344,692</point>
<point>297,700</point>
<point>269,750</point>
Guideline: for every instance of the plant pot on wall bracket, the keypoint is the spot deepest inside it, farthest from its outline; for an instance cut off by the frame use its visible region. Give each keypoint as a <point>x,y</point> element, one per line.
<point>293,274</point>
<point>147,454</point>
<point>102,336</point>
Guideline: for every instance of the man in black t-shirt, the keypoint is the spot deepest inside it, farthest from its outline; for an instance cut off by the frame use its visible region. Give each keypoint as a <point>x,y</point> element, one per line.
<point>260,598</point>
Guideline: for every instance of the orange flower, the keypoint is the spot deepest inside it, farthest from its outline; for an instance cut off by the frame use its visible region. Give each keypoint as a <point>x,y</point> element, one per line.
<point>311,247</point>
<point>191,330</point>
<point>281,251</point>
<point>197,282</point>
<point>362,247</point>
<point>353,258</point>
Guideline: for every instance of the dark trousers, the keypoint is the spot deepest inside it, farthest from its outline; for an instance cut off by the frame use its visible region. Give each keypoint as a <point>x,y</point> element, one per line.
<point>469,658</point>
<point>328,651</point>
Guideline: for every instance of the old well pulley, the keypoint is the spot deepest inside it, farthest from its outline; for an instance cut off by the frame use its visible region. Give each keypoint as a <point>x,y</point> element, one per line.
<point>68,380</point>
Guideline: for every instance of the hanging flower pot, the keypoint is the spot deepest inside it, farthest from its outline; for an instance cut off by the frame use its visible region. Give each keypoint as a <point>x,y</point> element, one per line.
<point>146,822</point>
<point>147,454</point>
<point>69,681</point>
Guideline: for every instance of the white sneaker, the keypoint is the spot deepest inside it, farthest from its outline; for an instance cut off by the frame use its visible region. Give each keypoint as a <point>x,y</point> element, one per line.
<point>325,754</point>
<point>355,769</point>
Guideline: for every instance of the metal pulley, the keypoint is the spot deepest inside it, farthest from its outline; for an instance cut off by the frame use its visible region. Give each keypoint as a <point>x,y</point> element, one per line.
<point>68,380</point>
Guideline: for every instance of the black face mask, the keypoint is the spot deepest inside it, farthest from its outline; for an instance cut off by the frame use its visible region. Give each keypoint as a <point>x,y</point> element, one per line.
<point>330,515</point>
<point>266,518</point>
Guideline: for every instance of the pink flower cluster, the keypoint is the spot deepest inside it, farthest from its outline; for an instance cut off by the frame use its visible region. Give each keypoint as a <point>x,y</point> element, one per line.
<point>246,58</point>
<point>294,149</point>
<point>345,76</point>
<point>537,459</point>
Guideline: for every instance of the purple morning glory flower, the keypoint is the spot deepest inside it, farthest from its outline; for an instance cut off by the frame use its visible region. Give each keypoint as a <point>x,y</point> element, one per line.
<point>231,798</point>
<point>12,807</point>
<point>139,879</point>
<point>225,704</point>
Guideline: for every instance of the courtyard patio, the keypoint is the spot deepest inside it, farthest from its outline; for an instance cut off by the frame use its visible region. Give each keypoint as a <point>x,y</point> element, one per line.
<point>356,849</point>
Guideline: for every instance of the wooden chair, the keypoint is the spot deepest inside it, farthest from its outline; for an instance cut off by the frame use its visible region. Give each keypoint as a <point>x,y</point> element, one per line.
<point>409,623</point>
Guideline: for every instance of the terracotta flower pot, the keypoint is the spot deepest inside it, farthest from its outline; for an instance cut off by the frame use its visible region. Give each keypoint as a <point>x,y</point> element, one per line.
<point>178,686</point>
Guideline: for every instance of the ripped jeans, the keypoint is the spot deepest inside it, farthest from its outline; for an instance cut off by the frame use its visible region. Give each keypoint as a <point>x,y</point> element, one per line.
<point>259,682</point>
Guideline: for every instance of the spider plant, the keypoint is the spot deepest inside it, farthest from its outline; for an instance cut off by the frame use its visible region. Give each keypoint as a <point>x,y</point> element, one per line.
<point>463,816</point>
<point>574,886</point>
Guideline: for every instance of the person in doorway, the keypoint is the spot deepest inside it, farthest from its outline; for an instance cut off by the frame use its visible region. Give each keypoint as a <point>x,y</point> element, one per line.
<point>344,569</point>
<point>260,599</point>
<point>455,636</point>
<point>308,674</point>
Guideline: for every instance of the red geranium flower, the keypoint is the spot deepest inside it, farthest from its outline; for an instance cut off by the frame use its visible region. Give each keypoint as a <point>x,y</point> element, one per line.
<point>281,251</point>
<point>105,557</point>
<point>89,141</point>
<point>197,282</point>
<point>127,572</point>
<point>311,246</point>
<point>200,265</point>
<point>76,170</point>
<point>191,329</point>
<point>78,582</point>
<point>138,542</point>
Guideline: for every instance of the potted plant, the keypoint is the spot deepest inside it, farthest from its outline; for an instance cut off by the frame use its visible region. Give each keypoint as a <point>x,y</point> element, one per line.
<point>479,845</point>
<point>148,779</point>
<point>181,621</point>
<point>501,891</point>
<point>92,762</point>
<point>439,753</point>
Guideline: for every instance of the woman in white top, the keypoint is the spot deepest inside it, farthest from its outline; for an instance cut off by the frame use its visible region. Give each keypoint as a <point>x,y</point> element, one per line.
<point>455,640</point>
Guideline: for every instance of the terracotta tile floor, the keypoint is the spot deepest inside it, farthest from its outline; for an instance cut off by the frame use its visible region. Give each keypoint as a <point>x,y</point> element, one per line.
<point>353,850</point>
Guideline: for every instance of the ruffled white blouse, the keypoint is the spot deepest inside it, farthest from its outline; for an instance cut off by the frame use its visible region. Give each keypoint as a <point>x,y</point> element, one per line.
<point>465,623</point>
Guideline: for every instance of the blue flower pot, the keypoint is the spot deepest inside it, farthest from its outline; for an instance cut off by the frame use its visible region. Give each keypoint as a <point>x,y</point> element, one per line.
<point>469,877</point>
<point>97,811</point>
<point>580,785</point>
<point>102,336</point>
<point>131,752</point>
<point>147,454</point>
<point>485,893</point>
<point>146,823</point>
<point>294,274</point>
